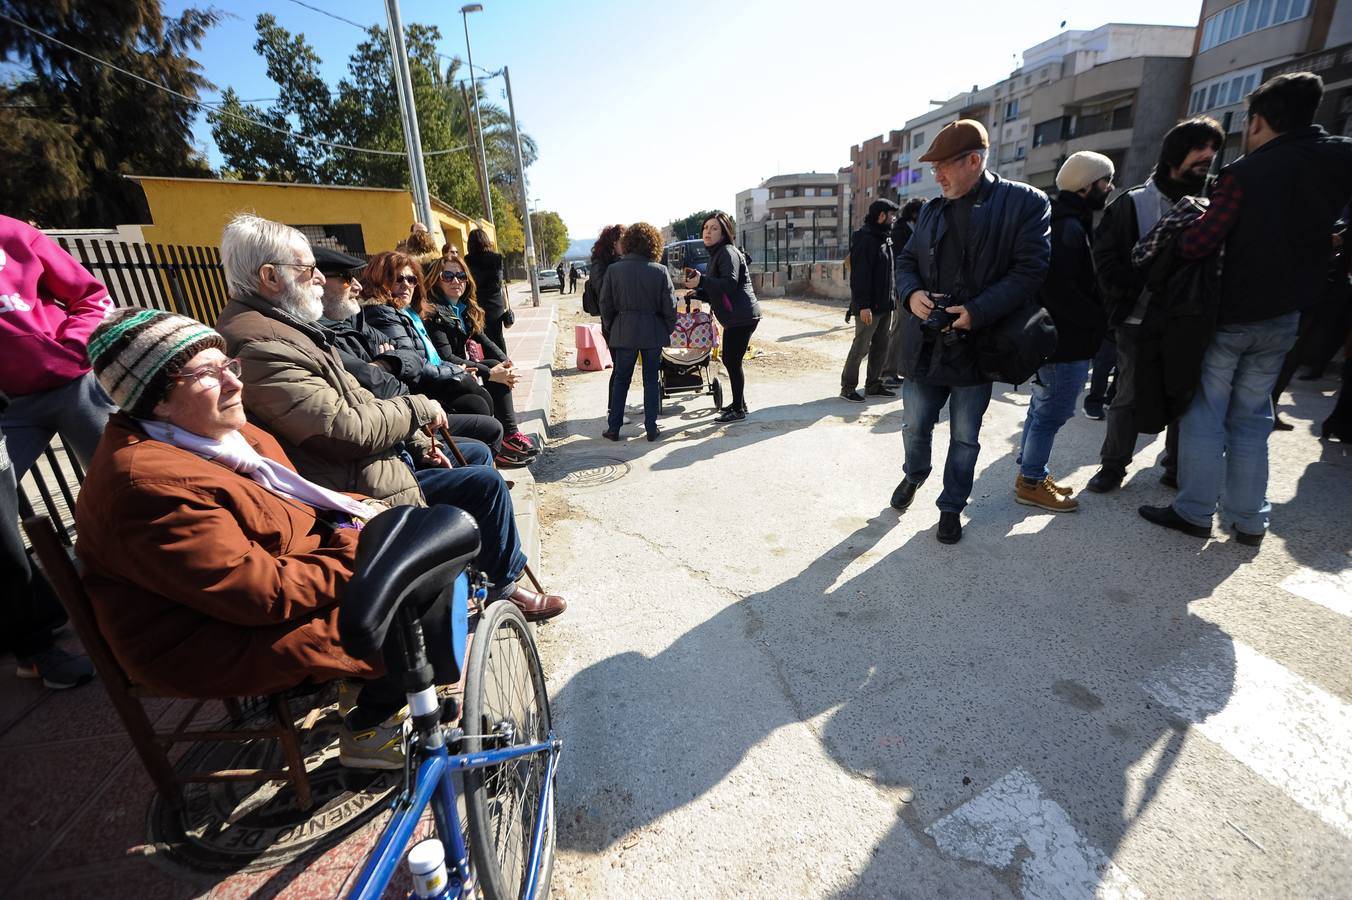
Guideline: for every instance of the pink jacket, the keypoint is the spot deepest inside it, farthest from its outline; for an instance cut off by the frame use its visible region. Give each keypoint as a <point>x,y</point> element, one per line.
<point>49,305</point>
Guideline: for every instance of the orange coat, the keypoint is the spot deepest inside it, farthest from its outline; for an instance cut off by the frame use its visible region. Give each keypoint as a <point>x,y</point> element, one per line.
<point>205,583</point>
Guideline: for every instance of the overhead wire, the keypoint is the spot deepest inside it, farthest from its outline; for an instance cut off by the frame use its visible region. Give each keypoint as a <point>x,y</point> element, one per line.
<point>220,112</point>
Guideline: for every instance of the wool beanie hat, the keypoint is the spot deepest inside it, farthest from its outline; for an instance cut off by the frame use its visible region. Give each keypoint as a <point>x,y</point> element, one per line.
<point>135,352</point>
<point>1082,169</point>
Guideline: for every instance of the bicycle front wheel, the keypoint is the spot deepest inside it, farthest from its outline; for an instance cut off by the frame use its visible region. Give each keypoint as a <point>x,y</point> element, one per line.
<point>506,705</point>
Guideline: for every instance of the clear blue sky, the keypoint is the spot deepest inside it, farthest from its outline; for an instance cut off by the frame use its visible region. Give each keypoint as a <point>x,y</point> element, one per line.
<point>652,111</point>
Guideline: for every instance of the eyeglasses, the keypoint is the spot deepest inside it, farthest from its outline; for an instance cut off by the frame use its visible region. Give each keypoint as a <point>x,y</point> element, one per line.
<point>309,269</point>
<point>454,276</point>
<point>210,376</point>
<point>406,279</point>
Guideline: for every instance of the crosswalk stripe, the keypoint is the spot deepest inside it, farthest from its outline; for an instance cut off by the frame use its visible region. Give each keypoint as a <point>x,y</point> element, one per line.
<point>1294,734</point>
<point>1332,590</point>
<point>1013,811</point>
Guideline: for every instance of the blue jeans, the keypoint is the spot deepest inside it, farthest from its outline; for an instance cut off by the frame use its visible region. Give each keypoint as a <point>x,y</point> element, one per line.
<point>1223,436</point>
<point>481,492</point>
<point>921,404</point>
<point>625,360</point>
<point>1055,390</point>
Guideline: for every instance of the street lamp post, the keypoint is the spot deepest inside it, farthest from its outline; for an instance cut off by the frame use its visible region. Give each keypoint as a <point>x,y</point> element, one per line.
<point>408,115</point>
<point>531,272</point>
<point>474,85</point>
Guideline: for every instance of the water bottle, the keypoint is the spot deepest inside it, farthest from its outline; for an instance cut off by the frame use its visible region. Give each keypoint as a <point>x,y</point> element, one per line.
<point>427,865</point>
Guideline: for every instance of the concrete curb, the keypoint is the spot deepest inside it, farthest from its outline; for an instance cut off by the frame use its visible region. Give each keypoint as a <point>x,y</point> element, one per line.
<point>533,417</point>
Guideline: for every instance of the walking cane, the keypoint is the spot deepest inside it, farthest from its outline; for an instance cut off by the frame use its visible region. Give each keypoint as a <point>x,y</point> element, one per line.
<point>460,461</point>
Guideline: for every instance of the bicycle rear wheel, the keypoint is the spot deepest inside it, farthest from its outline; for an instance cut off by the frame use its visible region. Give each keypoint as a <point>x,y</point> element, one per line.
<point>506,705</point>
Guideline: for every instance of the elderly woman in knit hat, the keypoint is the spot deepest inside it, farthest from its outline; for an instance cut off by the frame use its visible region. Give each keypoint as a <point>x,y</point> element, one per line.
<point>213,568</point>
<point>1071,296</point>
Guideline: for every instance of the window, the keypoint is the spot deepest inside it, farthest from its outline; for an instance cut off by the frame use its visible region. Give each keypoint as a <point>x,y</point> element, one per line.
<point>1050,132</point>
<point>1122,117</point>
<point>1228,90</point>
<point>809,192</point>
<point>826,192</point>
<point>1248,16</point>
<point>918,139</point>
<point>1020,151</point>
<point>1012,109</point>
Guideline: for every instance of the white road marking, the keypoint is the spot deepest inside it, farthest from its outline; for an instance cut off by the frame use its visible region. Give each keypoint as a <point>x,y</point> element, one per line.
<point>1294,734</point>
<point>1332,590</point>
<point>988,829</point>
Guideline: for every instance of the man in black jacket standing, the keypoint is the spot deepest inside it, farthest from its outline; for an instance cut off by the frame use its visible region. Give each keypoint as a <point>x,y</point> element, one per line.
<point>1070,296</point>
<point>873,297</point>
<point>1185,158</point>
<point>1272,211</point>
<point>978,253</point>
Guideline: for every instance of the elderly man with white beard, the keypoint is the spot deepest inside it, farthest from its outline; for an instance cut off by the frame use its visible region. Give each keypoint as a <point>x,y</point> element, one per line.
<point>336,432</point>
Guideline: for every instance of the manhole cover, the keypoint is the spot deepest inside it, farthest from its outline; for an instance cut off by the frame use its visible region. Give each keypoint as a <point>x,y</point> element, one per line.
<point>594,471</point>
<point>246,826</point>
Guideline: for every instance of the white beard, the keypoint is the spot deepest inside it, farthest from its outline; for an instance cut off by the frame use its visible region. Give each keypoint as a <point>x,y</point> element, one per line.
<point>303,302</point>
<point>341,309</point>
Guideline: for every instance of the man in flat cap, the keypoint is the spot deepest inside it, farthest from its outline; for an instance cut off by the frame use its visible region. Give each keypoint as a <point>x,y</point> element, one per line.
<point>978,253</point>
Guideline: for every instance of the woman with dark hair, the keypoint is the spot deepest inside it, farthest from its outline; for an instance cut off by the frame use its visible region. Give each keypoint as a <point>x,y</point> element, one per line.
<point>395,306</point>
<point>604,252</point>
<point>726,287</point>
<point>638,311</point>
<point>485,267</point>
<point>450,309</point>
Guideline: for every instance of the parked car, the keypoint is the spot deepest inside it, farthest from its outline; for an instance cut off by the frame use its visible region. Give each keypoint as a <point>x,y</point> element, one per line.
<point>549,280</point>
<point>680,255</point>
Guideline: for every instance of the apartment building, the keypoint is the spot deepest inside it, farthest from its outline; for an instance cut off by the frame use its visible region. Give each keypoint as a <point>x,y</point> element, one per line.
<point>914,178</point>
<point>805,218</point>
<point>1238,42</point>
<point>751,205</point>
<point>874,166</point>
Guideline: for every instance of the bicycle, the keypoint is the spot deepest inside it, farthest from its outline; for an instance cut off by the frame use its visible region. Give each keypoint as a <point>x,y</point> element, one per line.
<point>509,754</point>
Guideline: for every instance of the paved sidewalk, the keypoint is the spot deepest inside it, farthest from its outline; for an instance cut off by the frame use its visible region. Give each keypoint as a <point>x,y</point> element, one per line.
<point>75,809</point>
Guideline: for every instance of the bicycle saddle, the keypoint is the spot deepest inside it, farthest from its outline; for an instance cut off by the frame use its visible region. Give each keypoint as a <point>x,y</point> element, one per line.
<point>405,555</point>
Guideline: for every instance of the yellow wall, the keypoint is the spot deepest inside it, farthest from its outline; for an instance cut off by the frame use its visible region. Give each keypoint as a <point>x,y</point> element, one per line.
<point>195,211</point>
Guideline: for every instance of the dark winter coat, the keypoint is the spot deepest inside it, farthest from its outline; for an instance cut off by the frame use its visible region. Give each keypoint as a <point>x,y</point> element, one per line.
<point>873,283</point>
<point>449,334</point>
<point>1120,284</point>
<point>1070,294</point>
<point>1009,250</point>
<point>485,267</point>
<point>638,306</point>
<point>1278,252</point>
<point>726,287</point>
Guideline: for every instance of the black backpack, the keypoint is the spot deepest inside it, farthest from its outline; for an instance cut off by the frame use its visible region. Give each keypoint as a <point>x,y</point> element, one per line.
<point>591,297</point>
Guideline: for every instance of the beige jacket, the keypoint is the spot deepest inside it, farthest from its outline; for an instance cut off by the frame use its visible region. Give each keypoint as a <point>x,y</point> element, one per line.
<point>336,432</point>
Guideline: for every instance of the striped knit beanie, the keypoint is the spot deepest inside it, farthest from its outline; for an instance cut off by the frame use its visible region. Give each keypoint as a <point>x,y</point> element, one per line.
<point>135,352</point>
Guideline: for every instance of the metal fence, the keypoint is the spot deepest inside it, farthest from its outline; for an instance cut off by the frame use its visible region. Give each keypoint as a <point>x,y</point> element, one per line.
<point>185,280</point>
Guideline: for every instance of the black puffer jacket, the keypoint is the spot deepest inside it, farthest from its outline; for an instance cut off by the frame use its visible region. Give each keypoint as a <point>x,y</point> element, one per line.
<point>354,337</point>
<point>872,279</point>
<point>1070,293</point>
<point>1011,249</point>
<point>449,334</point>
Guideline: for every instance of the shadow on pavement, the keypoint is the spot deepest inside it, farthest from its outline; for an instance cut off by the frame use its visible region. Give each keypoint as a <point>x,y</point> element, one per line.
<point>939,669</point>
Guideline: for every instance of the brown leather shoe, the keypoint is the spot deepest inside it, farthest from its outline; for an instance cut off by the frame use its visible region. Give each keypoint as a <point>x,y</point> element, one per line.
<point>537,607</point>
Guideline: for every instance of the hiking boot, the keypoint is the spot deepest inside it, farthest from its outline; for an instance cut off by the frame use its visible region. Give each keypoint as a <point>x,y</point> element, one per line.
<point>380,747</point>
<point>1063,490</point>
<point>1044,494</point>
<point>851,395</point>
<point>58,669</point>
<point>1106,480</point>
<point>950,528</point>
<point>879,391</point>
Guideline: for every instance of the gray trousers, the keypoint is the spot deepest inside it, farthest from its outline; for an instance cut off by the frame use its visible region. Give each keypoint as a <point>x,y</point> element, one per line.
<point>870,340</point>
<point>77,410</point>
<point>1119,442</point>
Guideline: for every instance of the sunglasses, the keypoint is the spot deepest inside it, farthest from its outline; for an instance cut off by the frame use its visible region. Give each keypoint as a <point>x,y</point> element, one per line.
<point>455,276</point>
<point>406,279</point>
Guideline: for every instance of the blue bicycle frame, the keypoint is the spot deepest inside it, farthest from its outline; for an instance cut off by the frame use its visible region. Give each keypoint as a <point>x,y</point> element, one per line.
<point>432,783</point>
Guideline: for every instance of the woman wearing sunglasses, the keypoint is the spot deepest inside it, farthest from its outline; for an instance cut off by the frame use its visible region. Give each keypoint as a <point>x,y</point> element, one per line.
<point>396,306</point>
<point>455,322</point>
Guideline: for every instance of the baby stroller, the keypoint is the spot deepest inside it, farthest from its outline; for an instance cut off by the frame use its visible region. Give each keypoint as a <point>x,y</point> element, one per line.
<point>687,363</point>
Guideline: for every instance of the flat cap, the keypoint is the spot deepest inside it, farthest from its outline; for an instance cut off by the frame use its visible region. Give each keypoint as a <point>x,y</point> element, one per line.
<point>962,136</point>
<point>336,262</point>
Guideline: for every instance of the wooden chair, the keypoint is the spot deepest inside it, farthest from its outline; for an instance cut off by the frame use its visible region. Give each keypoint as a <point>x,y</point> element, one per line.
<point>153,746</point>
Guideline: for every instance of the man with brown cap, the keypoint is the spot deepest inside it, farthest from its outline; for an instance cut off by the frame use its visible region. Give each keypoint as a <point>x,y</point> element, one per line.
<point>978,253</point>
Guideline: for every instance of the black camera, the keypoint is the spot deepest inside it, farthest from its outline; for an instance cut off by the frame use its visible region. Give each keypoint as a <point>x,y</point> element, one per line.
<point>938,319</point>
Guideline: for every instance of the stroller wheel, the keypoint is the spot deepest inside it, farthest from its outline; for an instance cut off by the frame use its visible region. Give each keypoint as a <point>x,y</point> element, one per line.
<point>717,390</point>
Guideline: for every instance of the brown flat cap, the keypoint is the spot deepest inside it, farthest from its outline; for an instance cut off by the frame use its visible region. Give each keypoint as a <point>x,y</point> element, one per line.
<point>962,136</point>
